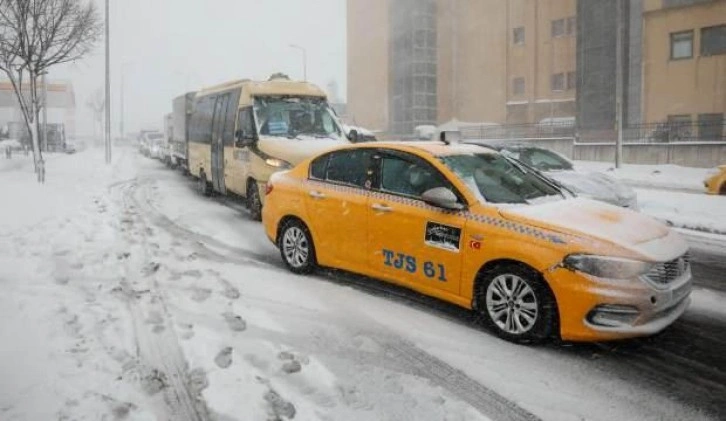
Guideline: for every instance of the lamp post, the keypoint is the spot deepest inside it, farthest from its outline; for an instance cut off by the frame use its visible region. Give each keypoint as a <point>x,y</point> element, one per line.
<point>305,60</point>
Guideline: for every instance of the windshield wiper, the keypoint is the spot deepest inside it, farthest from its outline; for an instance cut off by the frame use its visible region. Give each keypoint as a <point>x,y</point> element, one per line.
<point>529,170</point>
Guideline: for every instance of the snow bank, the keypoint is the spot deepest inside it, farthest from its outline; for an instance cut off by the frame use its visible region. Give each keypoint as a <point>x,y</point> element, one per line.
<point>654,176</point>
<point>685,210</point>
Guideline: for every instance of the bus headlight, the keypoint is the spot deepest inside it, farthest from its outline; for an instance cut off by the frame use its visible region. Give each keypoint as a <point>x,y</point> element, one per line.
<point>278,163</point>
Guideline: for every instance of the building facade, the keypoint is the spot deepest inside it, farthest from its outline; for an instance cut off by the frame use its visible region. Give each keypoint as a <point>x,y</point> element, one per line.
<point>684,64</point>
<point>61,105</point>
<point>533,61</point>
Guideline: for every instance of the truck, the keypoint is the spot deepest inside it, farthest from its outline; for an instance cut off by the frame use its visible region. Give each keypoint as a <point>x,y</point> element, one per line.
<point>182,108</point>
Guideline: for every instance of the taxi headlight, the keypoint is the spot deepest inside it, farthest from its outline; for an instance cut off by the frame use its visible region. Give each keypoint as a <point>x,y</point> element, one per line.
<point>606,266</point>
<point>278,163</point>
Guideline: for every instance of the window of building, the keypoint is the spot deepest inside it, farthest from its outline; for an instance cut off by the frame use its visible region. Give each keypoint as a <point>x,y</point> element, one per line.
<point>711,127</point>
<point>571,25</point>
<point>558,28</point>
<point>518,35</point>
<point>681,45</point>
<point>571,80</point>
<point>713,40</point>
<point>558,82</point>
<point>518,86</point>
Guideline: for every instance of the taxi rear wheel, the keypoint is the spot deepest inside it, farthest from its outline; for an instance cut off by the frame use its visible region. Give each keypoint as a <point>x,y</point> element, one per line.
<point>296,247</point>
<point>514,302</point>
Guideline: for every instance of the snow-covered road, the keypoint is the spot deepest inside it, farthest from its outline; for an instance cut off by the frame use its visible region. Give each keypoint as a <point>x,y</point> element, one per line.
<point>128,296</point>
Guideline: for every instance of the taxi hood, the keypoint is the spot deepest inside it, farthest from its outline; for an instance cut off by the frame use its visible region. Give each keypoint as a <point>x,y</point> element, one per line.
<point>588,219</point>
<point>298,149</point>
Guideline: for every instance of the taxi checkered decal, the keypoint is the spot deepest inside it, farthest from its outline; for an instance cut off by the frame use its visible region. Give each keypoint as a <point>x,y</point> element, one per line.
<point>497,222</point>
<point>519,228</point>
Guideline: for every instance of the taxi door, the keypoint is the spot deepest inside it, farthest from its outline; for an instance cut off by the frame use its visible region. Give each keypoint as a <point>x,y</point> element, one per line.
<point>411,242</point>
<point>336,200</point>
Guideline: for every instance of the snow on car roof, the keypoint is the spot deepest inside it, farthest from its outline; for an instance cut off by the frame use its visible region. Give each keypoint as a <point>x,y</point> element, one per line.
<point>432,147</point>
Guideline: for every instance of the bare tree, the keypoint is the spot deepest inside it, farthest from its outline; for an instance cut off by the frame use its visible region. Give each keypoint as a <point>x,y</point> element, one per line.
<point>97,103</point>
<point>36,35</point>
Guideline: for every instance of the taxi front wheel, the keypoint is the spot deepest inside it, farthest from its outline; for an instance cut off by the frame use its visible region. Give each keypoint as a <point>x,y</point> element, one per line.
<point>514,301</point>
<point>296,247</point>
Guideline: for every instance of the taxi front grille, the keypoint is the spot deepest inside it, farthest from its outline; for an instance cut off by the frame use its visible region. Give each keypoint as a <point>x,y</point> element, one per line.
<point>666,272</point>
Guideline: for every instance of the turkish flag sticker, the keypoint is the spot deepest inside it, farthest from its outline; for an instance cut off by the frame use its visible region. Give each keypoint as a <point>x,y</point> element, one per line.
<point>475,245</point>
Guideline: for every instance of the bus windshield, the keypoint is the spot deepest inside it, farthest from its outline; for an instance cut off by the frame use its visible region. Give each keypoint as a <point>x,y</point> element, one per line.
<point>296,117</point>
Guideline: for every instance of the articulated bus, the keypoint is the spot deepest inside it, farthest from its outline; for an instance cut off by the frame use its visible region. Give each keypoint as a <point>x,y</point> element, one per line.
<point>241,132</point>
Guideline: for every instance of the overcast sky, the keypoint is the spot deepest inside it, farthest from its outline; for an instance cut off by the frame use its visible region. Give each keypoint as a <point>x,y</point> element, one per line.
<point>171,46</point>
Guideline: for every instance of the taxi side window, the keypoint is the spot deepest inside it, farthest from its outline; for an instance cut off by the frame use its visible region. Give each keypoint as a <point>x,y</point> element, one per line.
<point>410,177</point>
<point>318,167</point>
<point>349,167</point>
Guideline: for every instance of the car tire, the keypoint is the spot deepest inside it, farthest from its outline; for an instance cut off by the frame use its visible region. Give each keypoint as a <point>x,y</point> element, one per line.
<point>514,301</point>
<point>203,185</point>
<point>296,247</point>
<point>254,202</point>
<point>722,190</point>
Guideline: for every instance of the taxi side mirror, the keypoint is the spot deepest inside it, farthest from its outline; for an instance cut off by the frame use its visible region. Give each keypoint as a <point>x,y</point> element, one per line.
<point>441,197</point>
<point>353,136</point>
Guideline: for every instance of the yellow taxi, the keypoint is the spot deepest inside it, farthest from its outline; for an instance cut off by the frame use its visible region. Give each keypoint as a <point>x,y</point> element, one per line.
<point>716,181</point>
<point>472,227</point>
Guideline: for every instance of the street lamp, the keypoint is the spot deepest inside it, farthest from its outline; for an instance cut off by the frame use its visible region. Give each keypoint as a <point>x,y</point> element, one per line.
<point>305,60</point>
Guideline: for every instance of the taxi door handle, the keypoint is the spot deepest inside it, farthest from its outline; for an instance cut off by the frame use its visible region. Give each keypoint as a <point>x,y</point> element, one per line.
<point>316,194</point>
<point>381,208</point>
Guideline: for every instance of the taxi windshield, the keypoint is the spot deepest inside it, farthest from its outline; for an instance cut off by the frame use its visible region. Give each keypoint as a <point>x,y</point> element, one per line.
<point>499,180</point>
<point>296,117</point>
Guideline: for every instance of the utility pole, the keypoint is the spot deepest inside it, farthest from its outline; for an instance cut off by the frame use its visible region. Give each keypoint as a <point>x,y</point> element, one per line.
<point>619,60</point>
<point>108,91</point>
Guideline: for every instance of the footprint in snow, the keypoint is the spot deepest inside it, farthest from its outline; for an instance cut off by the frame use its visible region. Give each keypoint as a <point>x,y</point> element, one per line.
<point>291,362</point>
<point>198,380</point>
<point>151,268</point>
<point>231,292</point>
<point>279,407</point>
<point>224,357</point>
<point>235,322</point>
<point>201,294</point>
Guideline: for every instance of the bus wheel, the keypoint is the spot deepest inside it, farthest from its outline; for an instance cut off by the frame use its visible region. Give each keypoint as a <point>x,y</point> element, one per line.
<point>203,184</point>
<point>254,203</point>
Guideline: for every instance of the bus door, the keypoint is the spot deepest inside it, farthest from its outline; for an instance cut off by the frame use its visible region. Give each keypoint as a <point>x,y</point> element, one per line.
<point>218,124</point>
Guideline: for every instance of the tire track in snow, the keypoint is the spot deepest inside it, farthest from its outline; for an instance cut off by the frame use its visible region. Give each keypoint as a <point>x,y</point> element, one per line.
<point>158,349</point>
<point>418,362</point>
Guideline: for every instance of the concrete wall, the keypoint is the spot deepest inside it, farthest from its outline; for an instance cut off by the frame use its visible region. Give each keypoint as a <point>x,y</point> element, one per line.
<point>698,155</point>
<point>704,155</point>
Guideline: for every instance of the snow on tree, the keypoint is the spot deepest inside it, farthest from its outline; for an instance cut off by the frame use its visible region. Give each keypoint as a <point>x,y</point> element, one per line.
<point>36,35</point>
